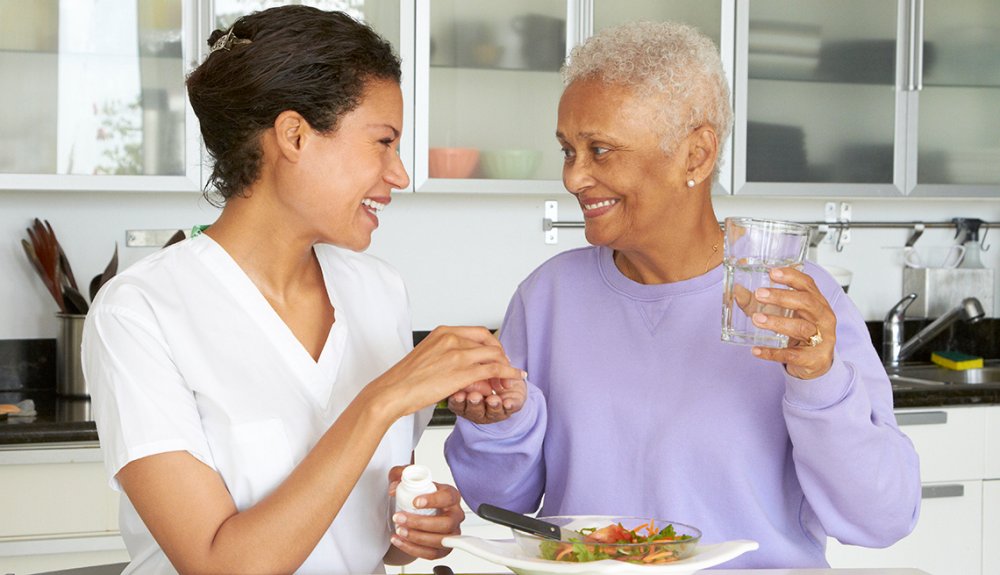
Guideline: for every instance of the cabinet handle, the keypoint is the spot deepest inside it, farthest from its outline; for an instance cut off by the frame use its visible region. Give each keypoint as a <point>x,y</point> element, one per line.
<point>915,45</point>
<point>922,418</point>
<point>937,491</point>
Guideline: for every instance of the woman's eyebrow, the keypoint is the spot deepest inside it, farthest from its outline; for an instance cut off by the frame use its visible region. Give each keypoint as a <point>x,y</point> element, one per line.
<point>395,132</point>
<point>580,134</point>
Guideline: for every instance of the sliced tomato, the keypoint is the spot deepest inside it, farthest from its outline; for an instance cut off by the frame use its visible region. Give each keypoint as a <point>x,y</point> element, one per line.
<point>612,534</point>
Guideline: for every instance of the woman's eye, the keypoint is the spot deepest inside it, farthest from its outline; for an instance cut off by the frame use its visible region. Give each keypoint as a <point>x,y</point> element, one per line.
<point>567,153</point>
<point>599,151</point>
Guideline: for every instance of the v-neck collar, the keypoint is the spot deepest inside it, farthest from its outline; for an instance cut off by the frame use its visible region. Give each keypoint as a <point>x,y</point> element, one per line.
<point>316,376</point>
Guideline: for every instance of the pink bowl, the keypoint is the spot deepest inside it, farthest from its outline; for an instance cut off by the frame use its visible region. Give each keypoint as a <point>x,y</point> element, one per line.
<point>452,162</point>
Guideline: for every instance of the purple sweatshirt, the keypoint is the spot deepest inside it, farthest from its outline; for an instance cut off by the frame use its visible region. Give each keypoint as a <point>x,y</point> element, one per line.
<point>635,407</point>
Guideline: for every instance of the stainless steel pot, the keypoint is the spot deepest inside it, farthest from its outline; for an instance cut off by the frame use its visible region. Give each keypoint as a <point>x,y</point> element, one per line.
<point>69,370</point>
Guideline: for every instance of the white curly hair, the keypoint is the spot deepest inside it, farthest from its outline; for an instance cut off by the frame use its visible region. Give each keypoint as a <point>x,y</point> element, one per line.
<point>669,61</point>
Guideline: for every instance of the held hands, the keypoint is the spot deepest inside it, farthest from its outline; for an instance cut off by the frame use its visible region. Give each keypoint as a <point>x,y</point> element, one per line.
<point>446,361</point>
<point>811,331</point>
<point>489,401</point>
<point>421,535</point>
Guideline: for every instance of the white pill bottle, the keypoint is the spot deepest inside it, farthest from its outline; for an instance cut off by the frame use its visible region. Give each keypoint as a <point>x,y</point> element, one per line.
<point>416,481</point>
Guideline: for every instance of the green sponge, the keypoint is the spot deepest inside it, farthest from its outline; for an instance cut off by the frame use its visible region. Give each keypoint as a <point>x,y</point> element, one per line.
<point>956,360</point>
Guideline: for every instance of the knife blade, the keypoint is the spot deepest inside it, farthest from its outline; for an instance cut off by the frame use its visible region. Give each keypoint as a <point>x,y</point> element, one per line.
<point>527,524</point>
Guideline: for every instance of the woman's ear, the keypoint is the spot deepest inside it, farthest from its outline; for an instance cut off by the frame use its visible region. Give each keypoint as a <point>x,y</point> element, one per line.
<point>703,149</point>
<point>290,130</point>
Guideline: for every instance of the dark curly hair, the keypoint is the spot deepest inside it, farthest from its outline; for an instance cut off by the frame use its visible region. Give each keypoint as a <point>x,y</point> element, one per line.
<point>299,58</point>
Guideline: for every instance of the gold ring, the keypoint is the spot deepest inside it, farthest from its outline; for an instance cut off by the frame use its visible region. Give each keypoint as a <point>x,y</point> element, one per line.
<point>816,339</point>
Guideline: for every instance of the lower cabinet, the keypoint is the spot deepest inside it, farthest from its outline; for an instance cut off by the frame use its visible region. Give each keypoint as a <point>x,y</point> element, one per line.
<point>948,538</point>
<point>991,527</point>
<point>58,510</point>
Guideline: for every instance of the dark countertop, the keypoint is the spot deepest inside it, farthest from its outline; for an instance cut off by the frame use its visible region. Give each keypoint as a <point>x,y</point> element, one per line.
<point>63,420</point>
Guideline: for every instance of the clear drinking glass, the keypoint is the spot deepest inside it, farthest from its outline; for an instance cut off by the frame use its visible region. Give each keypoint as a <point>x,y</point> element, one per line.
<point>752,248</point>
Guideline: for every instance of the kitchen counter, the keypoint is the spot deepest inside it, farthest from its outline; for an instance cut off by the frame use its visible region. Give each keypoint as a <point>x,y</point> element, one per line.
<point>64,420</point>
<point>117,568</point>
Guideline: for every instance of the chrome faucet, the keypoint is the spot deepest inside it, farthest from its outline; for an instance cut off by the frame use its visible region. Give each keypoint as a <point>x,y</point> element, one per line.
<point>895,350</point>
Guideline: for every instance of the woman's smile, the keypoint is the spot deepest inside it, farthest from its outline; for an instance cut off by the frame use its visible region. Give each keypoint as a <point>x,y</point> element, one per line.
<point>597,207</point>
<point>374,206</point>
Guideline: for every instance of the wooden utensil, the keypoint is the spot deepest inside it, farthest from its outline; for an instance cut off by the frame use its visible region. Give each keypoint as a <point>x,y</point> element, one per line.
<point>109,272</point>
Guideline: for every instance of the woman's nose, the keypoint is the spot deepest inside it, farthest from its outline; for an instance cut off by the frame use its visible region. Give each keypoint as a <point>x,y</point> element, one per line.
<point>576,177</point>
<point>396,175</point>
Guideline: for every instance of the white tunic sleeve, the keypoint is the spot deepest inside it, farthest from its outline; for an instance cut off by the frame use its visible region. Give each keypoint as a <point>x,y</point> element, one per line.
<point>141,403</point>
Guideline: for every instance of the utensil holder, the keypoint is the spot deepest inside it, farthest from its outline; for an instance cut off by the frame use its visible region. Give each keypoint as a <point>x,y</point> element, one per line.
<point>69,369</point>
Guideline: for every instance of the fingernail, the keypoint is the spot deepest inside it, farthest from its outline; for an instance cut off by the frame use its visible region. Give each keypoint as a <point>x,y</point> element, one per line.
<point>396,541</point>
<point>399,518</point>
<point>419,502</point>
<point>757,351</point>
<point>401,531</point>
<point>524,375</point>
<point>763,293</point>
<point>759,318</point>
<point>508,404</point>
<point>474,400</point>
<point>776,272</point>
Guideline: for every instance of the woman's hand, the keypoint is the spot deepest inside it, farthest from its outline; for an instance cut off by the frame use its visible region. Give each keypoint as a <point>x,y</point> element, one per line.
<point>489,402</point>
<point>421,535</point>
<point>811,331</point>
<point>446,361</point>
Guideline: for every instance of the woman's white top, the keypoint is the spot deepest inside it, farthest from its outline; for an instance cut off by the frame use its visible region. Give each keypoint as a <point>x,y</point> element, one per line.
<point>182,352</point>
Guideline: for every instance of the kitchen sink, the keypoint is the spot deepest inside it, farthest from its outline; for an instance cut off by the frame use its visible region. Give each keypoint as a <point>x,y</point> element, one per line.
<point>938,375</point>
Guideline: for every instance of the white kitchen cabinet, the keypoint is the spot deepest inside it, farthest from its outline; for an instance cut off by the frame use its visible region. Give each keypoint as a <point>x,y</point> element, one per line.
<point>991,493</point>
<point>991,526</point>
<point>104,105</point>
<point>59,511</point>
<point>992,444</point>
<point>946,541</point>
<point>488,84</point>
<point>867,98</point>
<point>948,538</point>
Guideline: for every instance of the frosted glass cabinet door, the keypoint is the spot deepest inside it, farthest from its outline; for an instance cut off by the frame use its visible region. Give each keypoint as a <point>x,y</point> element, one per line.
<point>959,104</point>
<point>94,88</point>
<point>816,85</point>
<point>714,19</point>
<point>492,92</point>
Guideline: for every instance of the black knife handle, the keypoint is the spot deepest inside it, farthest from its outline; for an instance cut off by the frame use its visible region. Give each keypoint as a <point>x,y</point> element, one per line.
<point>518,521</point>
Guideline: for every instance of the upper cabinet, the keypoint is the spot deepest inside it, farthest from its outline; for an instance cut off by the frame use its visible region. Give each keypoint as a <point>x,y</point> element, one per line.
<point>867,98</point>
<point>93,93</point>
<point>852,98</point>
<point>956,105</point>
<point>94,90</point>
<point>488,85</point>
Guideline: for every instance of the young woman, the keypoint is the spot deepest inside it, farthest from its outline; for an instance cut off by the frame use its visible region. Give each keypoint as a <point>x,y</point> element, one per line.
<point>254,387</point>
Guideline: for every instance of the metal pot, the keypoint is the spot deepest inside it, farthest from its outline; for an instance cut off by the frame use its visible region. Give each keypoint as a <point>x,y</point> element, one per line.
<point>69,370</point>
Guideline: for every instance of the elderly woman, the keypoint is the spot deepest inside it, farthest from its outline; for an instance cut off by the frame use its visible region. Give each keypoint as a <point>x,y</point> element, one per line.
<point>632,404</point>
<point>255,388</point>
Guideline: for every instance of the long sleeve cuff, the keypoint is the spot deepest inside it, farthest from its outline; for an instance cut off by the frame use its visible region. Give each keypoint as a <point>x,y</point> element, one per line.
<point>822,392</point>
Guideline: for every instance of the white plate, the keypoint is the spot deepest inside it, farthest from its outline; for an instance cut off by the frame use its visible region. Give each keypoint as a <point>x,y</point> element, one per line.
<point>507,553</point>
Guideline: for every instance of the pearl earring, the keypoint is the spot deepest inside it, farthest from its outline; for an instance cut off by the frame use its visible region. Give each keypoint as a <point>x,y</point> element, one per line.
<point>691,183</point>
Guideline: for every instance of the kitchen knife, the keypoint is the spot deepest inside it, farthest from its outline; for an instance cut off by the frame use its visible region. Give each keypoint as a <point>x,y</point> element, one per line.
<point>527,524</point>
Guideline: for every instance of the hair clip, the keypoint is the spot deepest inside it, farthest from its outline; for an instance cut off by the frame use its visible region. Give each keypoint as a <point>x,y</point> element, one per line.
<point>227,41</point>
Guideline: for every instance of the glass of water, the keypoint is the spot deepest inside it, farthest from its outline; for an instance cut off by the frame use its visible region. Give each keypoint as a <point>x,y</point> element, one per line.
<point>752,247</point>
